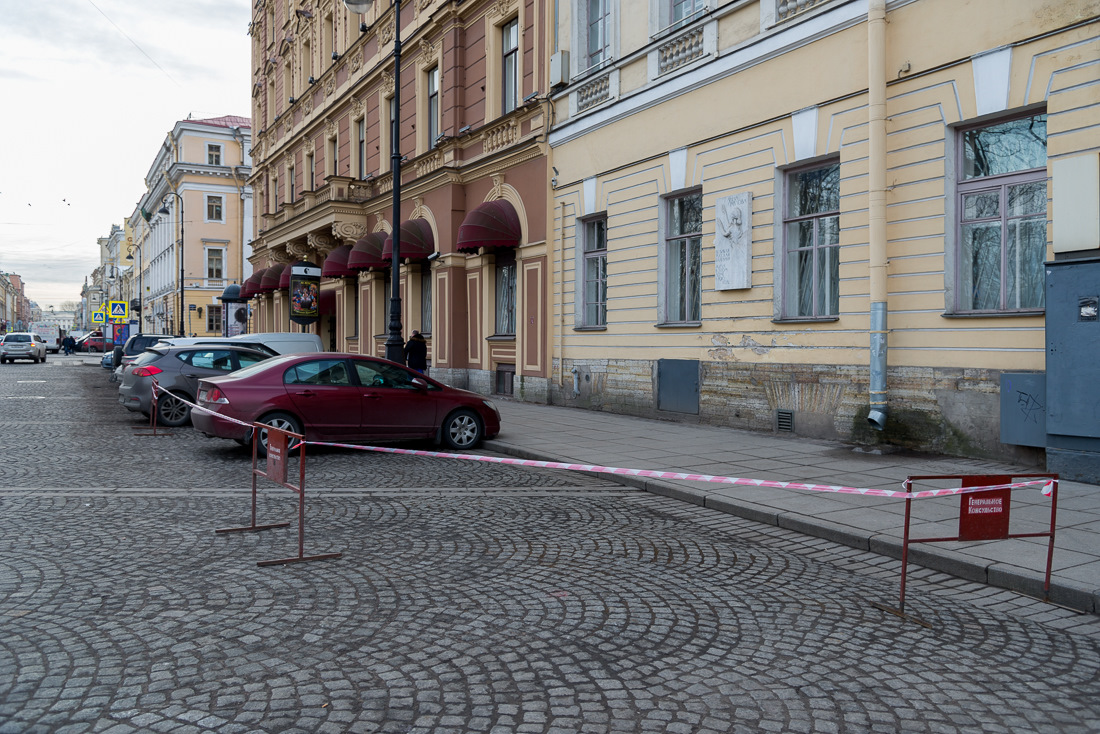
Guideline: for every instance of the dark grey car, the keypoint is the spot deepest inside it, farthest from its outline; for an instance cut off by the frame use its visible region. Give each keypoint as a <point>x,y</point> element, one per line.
<point>178,370</point>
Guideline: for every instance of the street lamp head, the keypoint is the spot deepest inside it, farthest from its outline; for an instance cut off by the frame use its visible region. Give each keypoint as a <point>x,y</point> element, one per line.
<point>163,210</point>
<point>358,6</point>
<point>129,256</point>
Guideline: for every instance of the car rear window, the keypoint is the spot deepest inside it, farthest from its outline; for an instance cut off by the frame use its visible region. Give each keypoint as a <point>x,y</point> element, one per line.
<point>10,338</point>
<point>147,357</point>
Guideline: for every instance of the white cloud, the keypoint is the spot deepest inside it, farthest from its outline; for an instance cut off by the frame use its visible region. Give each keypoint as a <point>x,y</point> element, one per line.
<point>94,86</point>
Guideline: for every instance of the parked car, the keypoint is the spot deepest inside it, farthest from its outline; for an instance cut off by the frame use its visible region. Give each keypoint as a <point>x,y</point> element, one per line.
<point>275,342</point>
<point>178,370</point>
<point>345,398</point>
<point>90,342</point>
<point>22,345</point>
<point>125,354</point>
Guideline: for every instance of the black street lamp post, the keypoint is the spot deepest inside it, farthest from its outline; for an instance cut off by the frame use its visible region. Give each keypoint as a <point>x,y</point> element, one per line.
<point>395,345</point>
<point>164,210</point>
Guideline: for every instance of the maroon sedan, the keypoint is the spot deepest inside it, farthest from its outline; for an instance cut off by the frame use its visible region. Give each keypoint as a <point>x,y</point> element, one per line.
<point>342,398</point>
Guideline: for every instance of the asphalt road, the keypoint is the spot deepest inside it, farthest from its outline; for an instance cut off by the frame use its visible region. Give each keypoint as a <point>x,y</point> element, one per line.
<point>469,597</point>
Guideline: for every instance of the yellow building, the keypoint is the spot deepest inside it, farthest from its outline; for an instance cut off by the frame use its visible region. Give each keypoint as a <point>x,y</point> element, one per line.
<point>824,217</point>
<point>198,206</point>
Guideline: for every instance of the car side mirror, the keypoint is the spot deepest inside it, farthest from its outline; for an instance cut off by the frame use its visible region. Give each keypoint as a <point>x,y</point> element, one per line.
<point>420,384</point>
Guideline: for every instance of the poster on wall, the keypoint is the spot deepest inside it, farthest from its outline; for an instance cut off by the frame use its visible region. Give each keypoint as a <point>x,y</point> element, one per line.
<point>305,292</point>
<point>235,317</point>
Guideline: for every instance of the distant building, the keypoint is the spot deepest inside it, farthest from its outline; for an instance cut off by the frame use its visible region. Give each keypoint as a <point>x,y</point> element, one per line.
<point>197,202</point>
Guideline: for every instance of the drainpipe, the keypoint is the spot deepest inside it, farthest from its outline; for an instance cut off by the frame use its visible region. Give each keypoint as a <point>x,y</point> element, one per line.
<point>876,202</point>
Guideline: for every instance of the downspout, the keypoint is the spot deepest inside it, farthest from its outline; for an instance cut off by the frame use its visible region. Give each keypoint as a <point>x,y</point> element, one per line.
<point>876,203</point>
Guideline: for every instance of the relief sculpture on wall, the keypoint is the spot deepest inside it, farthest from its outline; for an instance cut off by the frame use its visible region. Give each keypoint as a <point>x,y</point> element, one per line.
<point>733,242</point>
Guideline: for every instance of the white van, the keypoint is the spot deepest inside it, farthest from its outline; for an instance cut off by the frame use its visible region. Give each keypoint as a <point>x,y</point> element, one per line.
<point>272,342</point>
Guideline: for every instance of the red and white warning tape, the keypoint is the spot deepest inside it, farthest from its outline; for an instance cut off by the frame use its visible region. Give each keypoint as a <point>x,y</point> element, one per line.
<point>1047,484</point>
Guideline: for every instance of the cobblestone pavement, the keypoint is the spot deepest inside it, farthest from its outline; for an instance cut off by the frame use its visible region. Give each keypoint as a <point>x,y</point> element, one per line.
<point>469,597</point>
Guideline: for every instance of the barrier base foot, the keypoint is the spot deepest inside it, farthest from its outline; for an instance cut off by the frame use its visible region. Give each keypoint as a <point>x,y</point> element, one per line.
<point>250,528</point>
<point>903,615</point>
<point>298,559</point>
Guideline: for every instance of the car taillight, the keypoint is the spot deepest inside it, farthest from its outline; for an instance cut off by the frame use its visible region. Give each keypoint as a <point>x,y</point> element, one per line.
<point>148,371</point>
<point>212,395</point>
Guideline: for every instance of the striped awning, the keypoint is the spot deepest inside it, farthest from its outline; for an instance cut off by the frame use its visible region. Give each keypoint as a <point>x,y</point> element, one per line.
<point>493,224</point>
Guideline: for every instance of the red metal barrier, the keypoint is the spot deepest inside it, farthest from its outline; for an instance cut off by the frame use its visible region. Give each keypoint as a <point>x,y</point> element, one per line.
<point>278,445</point>
<point>140,430</point>
<point>982,516</point>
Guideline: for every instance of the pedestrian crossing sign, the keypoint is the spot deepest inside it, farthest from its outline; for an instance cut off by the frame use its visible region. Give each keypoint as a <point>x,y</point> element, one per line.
<point>99,317</point>
<point>120,310</point>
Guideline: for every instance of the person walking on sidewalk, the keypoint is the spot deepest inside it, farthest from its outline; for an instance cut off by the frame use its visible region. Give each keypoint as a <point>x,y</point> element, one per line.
<point>416,352</point>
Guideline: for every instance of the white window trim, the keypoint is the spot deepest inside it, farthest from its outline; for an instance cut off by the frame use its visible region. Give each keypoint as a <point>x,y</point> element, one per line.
<point>210,148</point>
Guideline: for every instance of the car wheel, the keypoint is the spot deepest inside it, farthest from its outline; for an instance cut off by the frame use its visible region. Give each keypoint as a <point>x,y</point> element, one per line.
<point>283,421</point>
<point>172,412</point>
<point>462,430</point>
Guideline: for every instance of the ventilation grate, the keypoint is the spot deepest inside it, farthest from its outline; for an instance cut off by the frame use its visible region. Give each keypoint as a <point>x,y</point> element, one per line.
<point>784,420</point>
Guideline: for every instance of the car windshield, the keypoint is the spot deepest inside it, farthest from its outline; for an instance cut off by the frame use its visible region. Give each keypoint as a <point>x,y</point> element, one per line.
<point>17,338</point>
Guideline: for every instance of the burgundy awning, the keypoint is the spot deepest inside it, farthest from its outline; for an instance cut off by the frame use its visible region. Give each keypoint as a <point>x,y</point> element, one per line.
<point>336,264</point>
<point>417,241</point>
<point>367,252</point>
<point>270,281</point>
<point>284,279</point>
<point>252,285</point>
<point>493,224</point>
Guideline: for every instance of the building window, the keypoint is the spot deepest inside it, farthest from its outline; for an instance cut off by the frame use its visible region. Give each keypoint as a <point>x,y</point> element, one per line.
<point>506,293</point>
<point>426,302</point>
<point>597,19</point>
<point>214,211</point>
<point>510,66</point>
<point>274,194</point>
<point>215,262</point>
<point>391,133</point>
<point>433,106</point>
<point>332,164</point>
<point>213,154</point>
<point>683,10</point>
<point>683,248</point>
<point>1002,206</point>
<point>595,271</point>
<point>811,229</point>
<point>292,183</point>
<point>214,318</point>
<point>310,173</point>
<point>361,148</point>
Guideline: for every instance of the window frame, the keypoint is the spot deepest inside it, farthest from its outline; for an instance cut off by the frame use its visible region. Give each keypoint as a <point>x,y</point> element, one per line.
<point>587,254</point>
<point>432,80</point>
<point>677,246</point>
<point>509,66</point>
<point>999,183</point>
<point>213,150</point>
<point>218,201</point>
<point>504,314</point>
<point>786,289</point>
<point>212,253</point>
<point>602,24</point>
<point>361,147</point>
<point>211,309</point>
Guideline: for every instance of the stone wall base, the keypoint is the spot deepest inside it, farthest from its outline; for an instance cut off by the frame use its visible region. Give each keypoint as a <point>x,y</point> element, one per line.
<point>953,411</point>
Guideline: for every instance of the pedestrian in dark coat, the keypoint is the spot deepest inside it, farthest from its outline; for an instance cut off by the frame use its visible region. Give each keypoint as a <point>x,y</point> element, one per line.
<point>416,352</point>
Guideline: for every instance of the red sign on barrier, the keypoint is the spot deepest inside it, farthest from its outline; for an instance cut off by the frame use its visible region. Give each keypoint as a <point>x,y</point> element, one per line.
<point>984,515</point>
<point>276,456</point>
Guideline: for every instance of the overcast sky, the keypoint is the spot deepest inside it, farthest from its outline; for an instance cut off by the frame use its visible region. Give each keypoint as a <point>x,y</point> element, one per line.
<point>91,89</point>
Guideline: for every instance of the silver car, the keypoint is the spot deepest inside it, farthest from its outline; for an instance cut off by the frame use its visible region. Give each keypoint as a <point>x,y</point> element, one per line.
<point>22,345</point>
<point>178,370</point>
